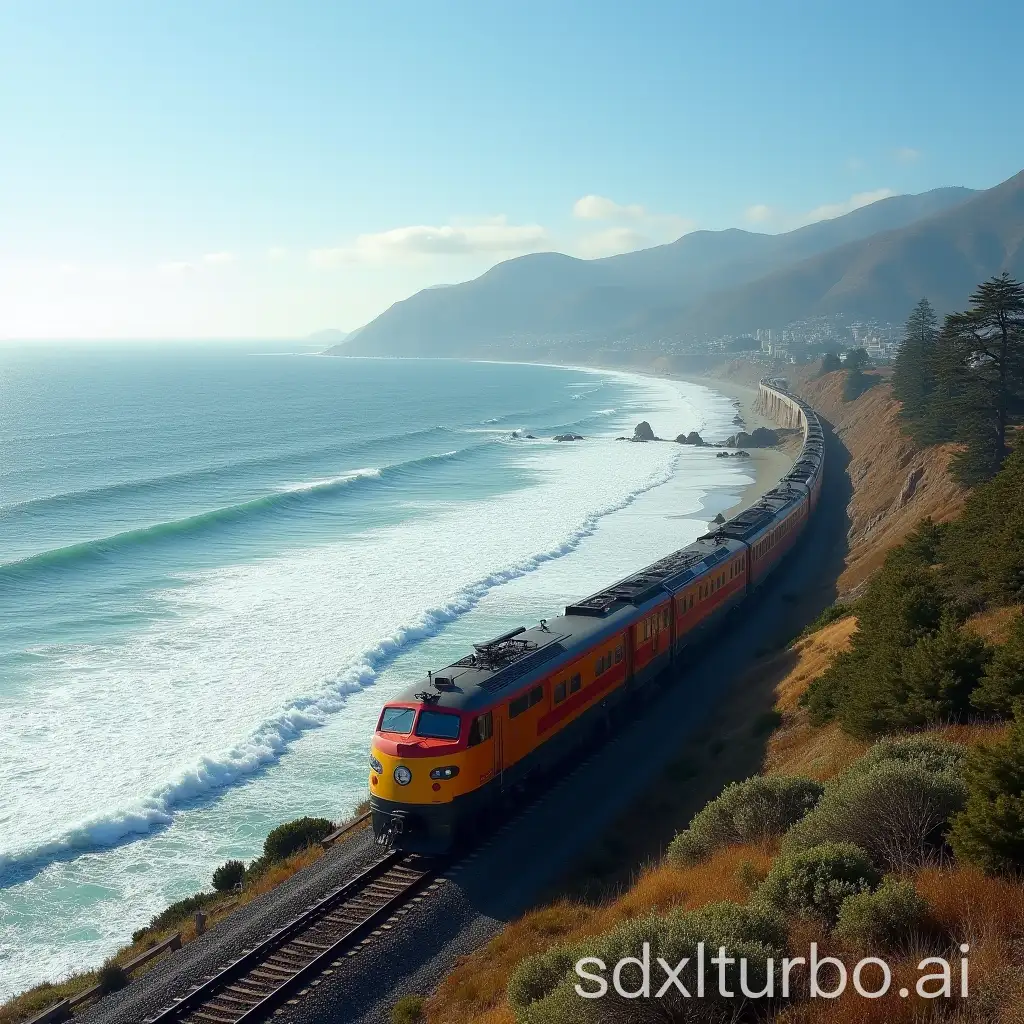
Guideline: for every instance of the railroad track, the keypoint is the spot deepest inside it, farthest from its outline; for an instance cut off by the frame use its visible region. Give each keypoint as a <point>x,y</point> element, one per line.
<point>262,978</point>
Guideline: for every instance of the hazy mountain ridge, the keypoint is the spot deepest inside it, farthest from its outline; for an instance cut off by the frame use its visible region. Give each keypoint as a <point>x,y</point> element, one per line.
<point>649,292</point>
<point>942,257</point>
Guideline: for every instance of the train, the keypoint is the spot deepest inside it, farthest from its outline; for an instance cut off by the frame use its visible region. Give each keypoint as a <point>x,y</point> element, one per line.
<point>452,750</point>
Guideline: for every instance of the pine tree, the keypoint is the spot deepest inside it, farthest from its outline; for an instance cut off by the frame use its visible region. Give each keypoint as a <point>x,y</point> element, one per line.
<point>830,363</point>
<point>990,830</point>
<point>989,340</point>
<point>914,369</point>
<point>855,383</point>
<point>1003,681</point>
<point>942,421</point>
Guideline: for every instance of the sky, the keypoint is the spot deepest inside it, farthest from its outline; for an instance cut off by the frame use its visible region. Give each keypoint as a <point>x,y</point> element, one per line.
<point>211,168</point>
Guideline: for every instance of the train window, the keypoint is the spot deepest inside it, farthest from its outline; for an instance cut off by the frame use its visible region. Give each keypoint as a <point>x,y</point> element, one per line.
<point>536,695</point>
<point>518,706</point>
<point>618,654</point>
<point>575,683</point>
<point>482,728</point>
<point>599,667</point>
<point>665,618</point>
<point>397,720</point>
<point>438,725</point>
<point>559,692</point>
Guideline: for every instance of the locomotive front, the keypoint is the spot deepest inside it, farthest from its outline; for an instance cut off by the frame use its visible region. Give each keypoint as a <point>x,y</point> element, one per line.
<point>427,764</point>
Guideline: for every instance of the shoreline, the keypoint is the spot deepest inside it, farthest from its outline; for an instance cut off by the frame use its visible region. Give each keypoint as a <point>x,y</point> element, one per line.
<point>766,465</point>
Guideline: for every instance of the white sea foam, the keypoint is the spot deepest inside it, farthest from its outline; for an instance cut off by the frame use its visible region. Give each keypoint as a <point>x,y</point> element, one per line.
<point>330,481</point>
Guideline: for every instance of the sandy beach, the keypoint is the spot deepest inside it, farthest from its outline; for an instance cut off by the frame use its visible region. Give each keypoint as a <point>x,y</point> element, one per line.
<point>766,464</point>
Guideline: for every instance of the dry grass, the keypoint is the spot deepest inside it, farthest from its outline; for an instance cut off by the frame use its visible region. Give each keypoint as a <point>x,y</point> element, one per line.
<point>475,989</point>
<point>813,654</point>
<point>797,747</point>
<point>994,624</point>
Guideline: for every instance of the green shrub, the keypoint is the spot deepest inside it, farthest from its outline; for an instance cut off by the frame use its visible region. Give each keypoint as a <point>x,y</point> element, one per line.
<point>814,883</point>
<point>296,835</point>
<point>886,919</point>
<point>761,807</point>
<point>938,674</point>
<point>538,976</point>
<point>408,1010</point>
<point>112,977</point>
<point>1003,681</point>
<point>930,754</point>
<point>228,875</point>
<point>544,993</point>
<point>899,812</point>
<point>990,831</point>
<point>177,913</point>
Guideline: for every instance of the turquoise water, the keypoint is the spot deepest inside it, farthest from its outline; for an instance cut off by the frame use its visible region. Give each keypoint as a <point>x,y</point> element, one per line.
<point>217,563</point>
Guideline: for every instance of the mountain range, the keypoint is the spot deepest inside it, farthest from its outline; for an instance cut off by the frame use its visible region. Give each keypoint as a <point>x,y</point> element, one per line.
<point>874,262</point>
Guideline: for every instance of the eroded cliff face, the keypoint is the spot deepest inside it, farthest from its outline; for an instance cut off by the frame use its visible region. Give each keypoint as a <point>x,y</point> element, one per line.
<point>895,484</point>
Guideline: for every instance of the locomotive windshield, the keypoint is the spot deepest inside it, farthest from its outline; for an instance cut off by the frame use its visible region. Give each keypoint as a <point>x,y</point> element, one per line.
<point>397,720</point>
<point>438,725</point>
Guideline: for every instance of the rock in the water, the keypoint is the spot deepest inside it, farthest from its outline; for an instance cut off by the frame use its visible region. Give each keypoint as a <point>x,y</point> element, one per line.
<point>529,437</point>
<point>643,432</point>
<point>762,437</point>
<point>691,438</point>
<point>568,437</point>
<point>719,519</point>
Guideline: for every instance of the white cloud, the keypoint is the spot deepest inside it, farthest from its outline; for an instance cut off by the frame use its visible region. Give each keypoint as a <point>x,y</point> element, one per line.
<point>599,208</point>
<point>634,226</point>
<point>855,202</point>
<point>494,235</point>
<point>907,154</point>
<point>759,213</point>
<point>611,241</point>
<point>218,259</point>
<point>277,253</point>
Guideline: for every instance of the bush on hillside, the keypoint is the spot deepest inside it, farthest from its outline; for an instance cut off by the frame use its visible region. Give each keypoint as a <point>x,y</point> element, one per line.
<point>814,882</point>
<point>228,875</point>
<point>982,555</point>
<point>862,687</point>
<point>759,808</point>
<point>112,977</point>
<point>990,831</point>
<point>296,835</point>
<point>939,674</point>
<point>408,1010</point>
<point>884,920</point>
<point>1003,681</point>
<point>542,992</point>
<point>899,812</point>
<point>930,754</point>
<point>177,913</point>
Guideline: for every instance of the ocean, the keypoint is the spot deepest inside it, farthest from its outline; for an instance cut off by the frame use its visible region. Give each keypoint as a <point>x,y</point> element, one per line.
<point>217,562</point>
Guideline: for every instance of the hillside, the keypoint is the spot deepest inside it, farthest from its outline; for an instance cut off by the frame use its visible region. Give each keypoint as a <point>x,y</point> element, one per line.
<point>941,257</point>
<point>550,294</point>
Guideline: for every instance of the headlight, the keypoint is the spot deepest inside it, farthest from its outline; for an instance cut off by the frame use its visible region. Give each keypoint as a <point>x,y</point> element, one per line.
<point>402,775</point>
<point>376,765</point>
<point>444,773</point>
